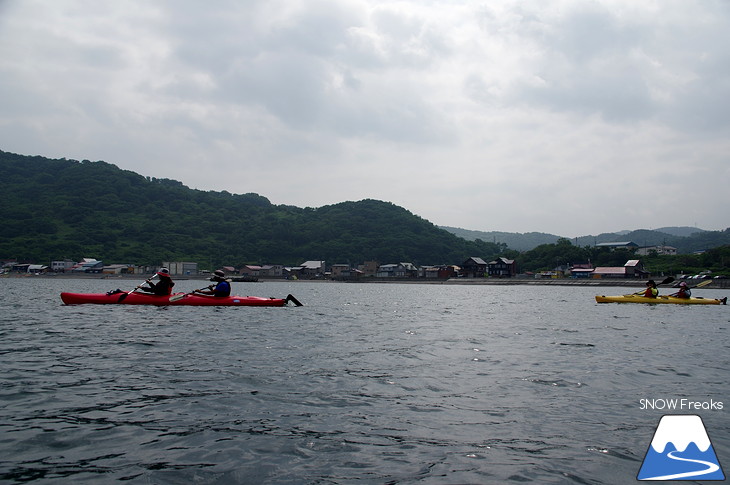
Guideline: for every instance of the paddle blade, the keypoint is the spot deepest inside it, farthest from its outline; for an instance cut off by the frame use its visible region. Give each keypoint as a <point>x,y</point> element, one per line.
<point>125,295</point>
<point>667,280</point>
<point>704,283</point>
<point>290,298</point>
<point>178,297</point>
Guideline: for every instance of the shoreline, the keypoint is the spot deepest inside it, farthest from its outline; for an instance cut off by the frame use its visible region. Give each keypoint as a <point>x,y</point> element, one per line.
<point>722,284</point>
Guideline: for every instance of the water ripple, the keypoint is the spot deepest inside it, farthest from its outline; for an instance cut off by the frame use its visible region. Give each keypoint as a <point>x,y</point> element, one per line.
<point>367,383</point>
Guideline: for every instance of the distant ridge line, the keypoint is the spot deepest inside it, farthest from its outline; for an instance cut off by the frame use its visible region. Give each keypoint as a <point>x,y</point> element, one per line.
<point>685,238</point>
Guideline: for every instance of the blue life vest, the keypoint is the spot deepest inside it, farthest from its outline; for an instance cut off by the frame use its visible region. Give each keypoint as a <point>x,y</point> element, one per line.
<point>223,288</point>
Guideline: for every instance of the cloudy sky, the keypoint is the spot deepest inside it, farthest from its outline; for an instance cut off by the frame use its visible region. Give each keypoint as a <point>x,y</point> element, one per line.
<point>571,117</point>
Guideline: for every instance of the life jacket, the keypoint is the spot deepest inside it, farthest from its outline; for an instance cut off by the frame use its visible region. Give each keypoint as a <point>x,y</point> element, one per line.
<point>163,287</point>
<point>223,288</point>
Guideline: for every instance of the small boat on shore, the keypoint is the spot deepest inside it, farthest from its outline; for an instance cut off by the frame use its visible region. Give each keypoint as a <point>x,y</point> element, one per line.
<point>176,299</point>
<point>660,299</point>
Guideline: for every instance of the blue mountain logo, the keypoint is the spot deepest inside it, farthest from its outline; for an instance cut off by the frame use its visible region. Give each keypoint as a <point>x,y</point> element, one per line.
<point>680,450</point>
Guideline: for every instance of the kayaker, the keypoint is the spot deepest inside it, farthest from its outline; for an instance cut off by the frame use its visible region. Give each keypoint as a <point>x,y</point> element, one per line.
<point>162,287</point>
<point>222,287</point>
<point>651,290</point>
<point>684,291</point>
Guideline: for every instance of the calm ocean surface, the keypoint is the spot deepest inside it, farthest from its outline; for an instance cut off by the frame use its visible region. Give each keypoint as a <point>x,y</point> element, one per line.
<point>366,383</point>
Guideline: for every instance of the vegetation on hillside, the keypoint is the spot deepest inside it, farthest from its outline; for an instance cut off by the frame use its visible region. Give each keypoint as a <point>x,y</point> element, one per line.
<point>563,253</point>
<point>65,209</point>
<point>514,240</point>
<point>686,240</point>
<point>57,209</point>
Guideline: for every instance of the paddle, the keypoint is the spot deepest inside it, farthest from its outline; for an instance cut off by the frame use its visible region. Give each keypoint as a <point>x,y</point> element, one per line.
<point>665,281</point>
<point>125,295</point>
<point>290,298</point>
<point>686,286</point>
<point>183,295</point>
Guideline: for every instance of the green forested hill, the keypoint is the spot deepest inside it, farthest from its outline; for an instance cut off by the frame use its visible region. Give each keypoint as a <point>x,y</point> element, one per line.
<point>699,240</point>
<point>514,240</point>
<point>686,239</point>
<point>56,209</point>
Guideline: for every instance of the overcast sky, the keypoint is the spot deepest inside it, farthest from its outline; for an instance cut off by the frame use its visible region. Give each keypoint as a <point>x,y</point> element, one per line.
<point>569,117</point>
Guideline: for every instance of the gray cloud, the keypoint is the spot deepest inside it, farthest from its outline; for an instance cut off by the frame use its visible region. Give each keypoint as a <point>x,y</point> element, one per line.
<point>487,116</point>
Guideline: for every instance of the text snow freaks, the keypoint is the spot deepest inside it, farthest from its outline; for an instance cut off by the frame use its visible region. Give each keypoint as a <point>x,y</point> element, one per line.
<point>680,404</point>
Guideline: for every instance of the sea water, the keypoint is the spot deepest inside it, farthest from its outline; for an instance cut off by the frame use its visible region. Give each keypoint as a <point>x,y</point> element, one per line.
<point>365,383</point>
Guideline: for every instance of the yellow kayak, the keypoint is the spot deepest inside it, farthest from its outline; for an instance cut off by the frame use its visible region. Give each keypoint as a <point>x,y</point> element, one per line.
<point>660,299</point>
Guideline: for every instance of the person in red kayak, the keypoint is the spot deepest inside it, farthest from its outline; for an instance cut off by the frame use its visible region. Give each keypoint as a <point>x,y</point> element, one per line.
<point>651,290</point>
<point>222,287</point>
<point>162,287</point>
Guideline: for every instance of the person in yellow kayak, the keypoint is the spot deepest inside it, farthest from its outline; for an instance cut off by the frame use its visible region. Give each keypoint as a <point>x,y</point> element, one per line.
<point>162,287</point>
<point>683,292</point>
<point>651,290</point>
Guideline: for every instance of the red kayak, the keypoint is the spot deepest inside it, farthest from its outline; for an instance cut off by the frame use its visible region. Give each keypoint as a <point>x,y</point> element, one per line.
<point>176,299</point>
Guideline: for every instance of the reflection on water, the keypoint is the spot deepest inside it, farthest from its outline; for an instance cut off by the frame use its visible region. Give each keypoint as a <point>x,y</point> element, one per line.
<point>367,383</point>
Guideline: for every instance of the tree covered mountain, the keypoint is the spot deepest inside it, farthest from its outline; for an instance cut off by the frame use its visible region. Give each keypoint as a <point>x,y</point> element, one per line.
<point>56,208</point>
<point>64,209</point>
<point>686,239</point>
<point>514,240</point>
<point>698,240</point>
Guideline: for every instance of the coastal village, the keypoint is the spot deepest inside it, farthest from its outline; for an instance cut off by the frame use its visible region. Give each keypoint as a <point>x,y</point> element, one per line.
<point>473,267</point>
